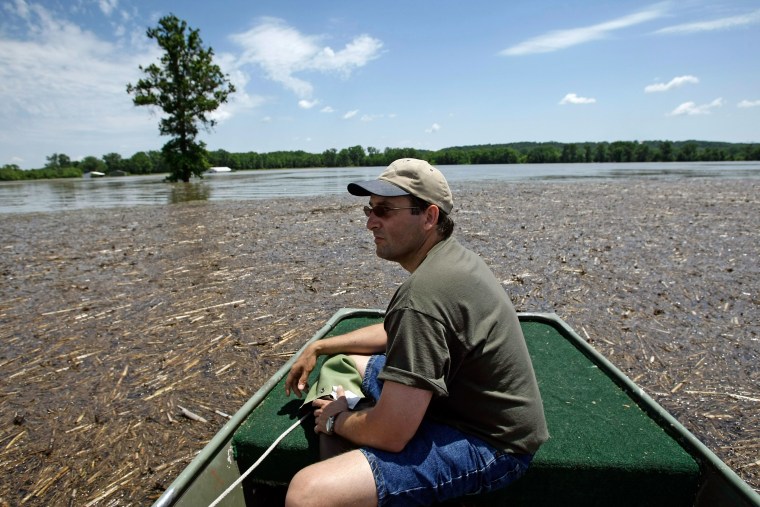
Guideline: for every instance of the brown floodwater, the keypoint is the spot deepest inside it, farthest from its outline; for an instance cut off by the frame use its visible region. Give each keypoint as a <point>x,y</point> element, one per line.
<point>112,320</point>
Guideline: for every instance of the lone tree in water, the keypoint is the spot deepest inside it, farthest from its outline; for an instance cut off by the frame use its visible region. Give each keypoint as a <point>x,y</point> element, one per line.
<point>187,86</point>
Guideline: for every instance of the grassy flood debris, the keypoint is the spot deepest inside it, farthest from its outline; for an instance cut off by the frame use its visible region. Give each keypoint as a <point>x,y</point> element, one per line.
<point>128,336</point>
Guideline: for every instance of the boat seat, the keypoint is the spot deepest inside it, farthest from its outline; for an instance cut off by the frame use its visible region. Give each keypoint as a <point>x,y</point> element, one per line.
<point>603,450</point>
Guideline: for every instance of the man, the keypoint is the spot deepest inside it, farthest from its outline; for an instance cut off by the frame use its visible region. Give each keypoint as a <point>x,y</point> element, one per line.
<point>457,409</point>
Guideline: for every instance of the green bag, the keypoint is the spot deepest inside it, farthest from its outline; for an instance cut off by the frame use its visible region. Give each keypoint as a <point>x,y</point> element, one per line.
<point>337,370</point>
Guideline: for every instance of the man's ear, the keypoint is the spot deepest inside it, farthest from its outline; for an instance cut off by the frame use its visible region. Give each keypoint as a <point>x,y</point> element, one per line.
<point>431,216</point>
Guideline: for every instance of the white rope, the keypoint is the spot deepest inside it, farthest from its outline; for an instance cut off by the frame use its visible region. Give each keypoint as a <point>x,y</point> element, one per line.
<point>258,462</point>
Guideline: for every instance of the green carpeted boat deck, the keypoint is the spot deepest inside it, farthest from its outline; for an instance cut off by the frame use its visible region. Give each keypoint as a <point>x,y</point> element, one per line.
<point>604,449</point>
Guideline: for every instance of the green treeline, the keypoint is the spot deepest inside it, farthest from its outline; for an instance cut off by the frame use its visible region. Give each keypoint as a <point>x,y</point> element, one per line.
<point>11,172</point>
<point>152,162</point>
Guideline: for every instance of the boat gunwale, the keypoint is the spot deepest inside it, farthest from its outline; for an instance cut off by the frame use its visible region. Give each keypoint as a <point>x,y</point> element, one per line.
<point>707,459</point>
<point>712,468</point>
<point>183,481</point>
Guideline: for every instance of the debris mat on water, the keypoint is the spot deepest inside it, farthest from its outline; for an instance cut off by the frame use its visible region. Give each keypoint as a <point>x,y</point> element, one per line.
<point>128,335</point>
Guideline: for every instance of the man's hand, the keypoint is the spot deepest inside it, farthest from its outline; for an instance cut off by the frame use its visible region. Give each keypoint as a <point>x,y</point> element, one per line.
<point>298,378</point>
<point>324,408</point>
<point>365,341</point>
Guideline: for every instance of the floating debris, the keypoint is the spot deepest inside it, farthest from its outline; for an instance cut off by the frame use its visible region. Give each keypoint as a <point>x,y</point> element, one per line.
<point>112,336</point>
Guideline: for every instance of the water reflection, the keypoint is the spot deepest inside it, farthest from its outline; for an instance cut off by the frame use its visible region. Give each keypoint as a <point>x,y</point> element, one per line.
<point>186,192</point>
<point>66,193</point>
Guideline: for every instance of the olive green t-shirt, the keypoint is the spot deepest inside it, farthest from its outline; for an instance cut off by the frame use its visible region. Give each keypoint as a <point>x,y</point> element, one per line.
<point>452,330</point>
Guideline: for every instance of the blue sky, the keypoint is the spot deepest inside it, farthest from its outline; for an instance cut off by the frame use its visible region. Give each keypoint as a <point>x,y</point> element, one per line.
<point>425,74</point>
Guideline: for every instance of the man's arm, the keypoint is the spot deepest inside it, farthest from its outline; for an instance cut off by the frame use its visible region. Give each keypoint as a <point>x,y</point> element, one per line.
<point>367,340</point>
<point>388,426</point>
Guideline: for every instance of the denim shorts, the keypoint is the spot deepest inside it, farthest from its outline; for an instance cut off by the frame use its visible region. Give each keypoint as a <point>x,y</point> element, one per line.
<point>439,463</point>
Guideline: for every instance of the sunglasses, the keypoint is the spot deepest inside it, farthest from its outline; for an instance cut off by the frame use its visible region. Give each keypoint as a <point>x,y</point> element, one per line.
<point>380,211</point>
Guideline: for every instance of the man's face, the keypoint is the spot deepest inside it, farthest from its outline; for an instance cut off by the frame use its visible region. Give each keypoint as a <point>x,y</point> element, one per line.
<point>399,235</point>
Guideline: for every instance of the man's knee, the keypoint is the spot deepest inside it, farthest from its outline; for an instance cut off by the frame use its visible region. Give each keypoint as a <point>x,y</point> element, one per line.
<point>303,489</point>
<point>343,480</point>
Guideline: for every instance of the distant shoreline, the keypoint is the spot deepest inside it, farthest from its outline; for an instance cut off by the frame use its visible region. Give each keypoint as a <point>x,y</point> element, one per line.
<point>515,152</point>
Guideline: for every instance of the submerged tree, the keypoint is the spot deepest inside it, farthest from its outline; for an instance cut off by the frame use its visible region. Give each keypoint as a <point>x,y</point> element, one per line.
<point>188,87</point>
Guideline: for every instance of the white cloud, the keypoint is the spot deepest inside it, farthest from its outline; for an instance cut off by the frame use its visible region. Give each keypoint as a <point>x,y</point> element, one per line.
<point>282,52</point>
<point>107,6</point>
<point>748,103</point>
<point>750,18</point>
<point>350,114</point>
<point>19,8</point>
<point>356,54</point>
<point>691,108</point>
<point>307,104</point>
<point>673,83</point>
<point>63,88</point>
<point>327,109</point>
<point>562,39</point>
<point>62,74</point>
<point>240,100</point>
<point>572,98</point>
<point>433,128</point>
<point>237,102</point>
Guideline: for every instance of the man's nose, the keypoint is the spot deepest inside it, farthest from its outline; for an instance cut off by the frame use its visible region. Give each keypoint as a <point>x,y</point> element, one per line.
<point>372,222</point>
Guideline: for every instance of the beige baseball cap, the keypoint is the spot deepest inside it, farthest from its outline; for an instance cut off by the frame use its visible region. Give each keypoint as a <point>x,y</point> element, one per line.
<point>407,176</point>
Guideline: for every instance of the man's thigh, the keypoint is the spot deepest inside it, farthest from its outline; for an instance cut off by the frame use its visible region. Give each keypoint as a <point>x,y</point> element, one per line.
<point>361,363</point>
<point>441,463</point>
